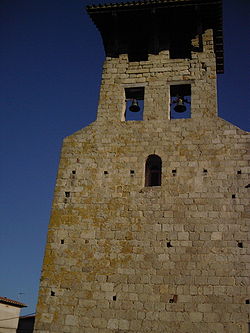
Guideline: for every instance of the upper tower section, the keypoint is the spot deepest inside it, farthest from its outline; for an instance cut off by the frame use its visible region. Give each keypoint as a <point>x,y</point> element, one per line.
<point>162,57</point>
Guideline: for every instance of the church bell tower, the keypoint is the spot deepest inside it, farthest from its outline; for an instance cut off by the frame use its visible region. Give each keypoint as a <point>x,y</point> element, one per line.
<point>149,224</point>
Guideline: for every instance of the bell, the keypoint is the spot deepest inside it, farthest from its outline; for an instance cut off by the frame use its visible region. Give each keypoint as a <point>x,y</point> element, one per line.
<point>180,107</point>
<point>134,107</point>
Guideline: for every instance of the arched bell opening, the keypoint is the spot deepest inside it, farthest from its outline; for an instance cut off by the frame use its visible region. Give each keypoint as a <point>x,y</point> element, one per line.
<point>153,172</point>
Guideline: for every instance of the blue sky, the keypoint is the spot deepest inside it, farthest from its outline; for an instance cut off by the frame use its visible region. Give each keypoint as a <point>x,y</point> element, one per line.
<point>50,63</point>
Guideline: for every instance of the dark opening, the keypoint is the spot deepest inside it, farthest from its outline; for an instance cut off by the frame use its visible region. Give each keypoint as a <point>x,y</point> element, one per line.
<point>73,172</point>
<point>239,172</point>
<point>180,101</point>
<point>240,244</point>
<point>62,241</point>
<point>52,293</point>
<point>153,171</point>
<point>67,194</point>
<point>114,298</point>
<point>169,244</point>
<point>180,35</point>
<point>136,35</point>
<point>132,172</point>
<point>180,46</point>
<point>233,196</point>
<point>247,301</point>
<point>174,299</point>
<point>105,172</point>
<point>134,96</point>
<point>137,50</point>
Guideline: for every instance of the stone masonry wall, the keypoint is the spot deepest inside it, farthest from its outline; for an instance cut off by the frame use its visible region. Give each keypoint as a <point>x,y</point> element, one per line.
<point>122,257</point>
<point>156,75</point>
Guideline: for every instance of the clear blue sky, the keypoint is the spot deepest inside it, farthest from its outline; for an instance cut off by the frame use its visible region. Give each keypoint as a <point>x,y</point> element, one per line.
<point>50,68</point>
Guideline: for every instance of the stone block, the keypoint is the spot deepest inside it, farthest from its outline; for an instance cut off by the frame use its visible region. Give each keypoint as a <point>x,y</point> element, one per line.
<point>113,324</point>
<point>71,320</point>
<point>196,317</point>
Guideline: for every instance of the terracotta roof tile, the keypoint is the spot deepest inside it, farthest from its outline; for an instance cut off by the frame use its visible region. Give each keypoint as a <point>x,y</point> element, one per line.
<point>9,301</point>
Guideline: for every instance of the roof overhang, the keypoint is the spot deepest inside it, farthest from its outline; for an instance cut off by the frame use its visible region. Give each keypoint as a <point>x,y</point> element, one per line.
<point>8,301</point>
<point>143,21</point>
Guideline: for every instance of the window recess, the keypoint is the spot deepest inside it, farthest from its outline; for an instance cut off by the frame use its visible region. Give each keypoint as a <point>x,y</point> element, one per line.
<point>153,172</point>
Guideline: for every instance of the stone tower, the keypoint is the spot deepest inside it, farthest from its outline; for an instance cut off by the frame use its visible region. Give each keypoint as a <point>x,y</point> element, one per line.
<point>148,230</point>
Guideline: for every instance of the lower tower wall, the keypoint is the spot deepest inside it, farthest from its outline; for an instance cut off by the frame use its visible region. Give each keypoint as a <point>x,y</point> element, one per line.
<point>124,257</point>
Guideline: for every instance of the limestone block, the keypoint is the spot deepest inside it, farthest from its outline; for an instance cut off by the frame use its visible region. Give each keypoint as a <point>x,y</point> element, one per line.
<point>196,316</point>
<point>71,320</point>
<point>216,235</point>
<point>113,324</point>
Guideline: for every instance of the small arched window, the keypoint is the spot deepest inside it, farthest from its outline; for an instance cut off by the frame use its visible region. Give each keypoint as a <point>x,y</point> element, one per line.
<point>153,171</point>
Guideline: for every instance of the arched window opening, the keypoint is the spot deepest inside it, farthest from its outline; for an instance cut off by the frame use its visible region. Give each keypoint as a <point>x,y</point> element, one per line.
<point>153,171</point>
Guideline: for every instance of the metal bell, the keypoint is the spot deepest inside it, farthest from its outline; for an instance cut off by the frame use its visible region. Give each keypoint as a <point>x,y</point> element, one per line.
<point>134,107</point>
<point>180,107</point>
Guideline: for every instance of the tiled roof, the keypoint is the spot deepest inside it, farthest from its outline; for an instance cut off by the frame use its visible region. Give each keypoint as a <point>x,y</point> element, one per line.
<point>198,14</point>
<point>9,301</point>
<point>138,4</point>
<point>129,4</point>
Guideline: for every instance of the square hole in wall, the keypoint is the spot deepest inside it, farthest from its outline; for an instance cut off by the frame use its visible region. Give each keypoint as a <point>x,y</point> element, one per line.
<point>180,101</point>
<point>240,245</point>
<point>134,103</point>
